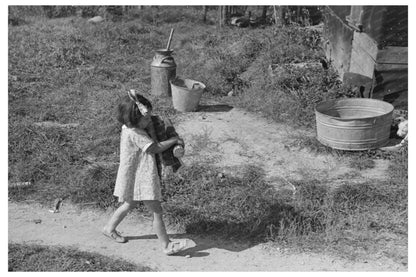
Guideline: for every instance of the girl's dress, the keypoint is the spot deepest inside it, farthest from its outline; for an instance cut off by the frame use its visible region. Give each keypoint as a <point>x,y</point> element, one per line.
<point>137,176</point>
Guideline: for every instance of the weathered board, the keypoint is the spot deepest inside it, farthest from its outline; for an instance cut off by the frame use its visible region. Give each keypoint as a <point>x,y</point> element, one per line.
<point>363,54</point>
<point>393,55</point>
<point>339,42</point>
<point>391,73</point>
<point>390,79</point>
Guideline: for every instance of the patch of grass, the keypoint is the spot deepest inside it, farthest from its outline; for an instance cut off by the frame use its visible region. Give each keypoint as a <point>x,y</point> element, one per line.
<point>362,163</point>
<point>358,159</point>
<point>36,258</point>
<point>201,202</point>
<point>202,141</point>
<point>291,94</point>
<point>94,184</point>
<point>316,217</point>
<point>308,142</point>
<point>47,151</point>
<point>241,208</point>
<point>286,80</point>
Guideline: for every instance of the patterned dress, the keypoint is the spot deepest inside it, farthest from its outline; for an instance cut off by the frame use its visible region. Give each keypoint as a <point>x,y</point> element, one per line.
<point>137,176</point>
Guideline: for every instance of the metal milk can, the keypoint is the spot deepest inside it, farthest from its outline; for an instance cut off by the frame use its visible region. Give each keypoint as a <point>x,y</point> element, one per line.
<point>163,69</point>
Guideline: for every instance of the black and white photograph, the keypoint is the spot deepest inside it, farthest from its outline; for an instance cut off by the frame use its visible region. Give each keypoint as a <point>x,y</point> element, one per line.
<point>207,137</point>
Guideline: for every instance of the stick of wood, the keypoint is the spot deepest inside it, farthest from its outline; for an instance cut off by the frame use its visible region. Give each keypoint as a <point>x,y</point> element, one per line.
<point>170,39</point>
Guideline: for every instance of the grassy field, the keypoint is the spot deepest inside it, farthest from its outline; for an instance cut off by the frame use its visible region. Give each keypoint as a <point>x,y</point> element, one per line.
<point>68,71</point>
<point>31,258</point>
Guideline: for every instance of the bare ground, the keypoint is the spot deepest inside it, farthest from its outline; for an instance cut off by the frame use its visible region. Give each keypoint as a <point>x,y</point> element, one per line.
<point>227,138</point>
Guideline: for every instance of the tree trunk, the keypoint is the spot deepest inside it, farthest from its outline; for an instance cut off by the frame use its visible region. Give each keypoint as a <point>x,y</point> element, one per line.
<point>223,12</point>
<point>264,14</point>
<point>279,15</point>
<point>283,10</point>
<point>205,13</point>
<point>224,15</point>
<point>220,15</point>
<point>298,14</point>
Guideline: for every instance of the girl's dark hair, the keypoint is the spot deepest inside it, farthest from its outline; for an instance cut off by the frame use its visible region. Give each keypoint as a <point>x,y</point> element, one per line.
<point>128,112</point>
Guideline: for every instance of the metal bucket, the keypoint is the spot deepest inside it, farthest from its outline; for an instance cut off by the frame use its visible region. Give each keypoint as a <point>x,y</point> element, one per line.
<point>163,69</point>
<point>353,123</point>
<point>186,94</point>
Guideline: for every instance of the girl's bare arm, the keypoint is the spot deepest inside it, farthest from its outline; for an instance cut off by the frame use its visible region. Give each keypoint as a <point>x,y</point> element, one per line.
<point>159,147</point>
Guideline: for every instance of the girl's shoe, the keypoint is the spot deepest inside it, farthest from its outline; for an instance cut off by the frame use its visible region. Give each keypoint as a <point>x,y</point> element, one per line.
<point>175,247</point>
<point>115,236</point>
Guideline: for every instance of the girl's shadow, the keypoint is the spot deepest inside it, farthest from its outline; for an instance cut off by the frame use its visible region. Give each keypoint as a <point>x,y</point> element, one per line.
<point>197,244</point>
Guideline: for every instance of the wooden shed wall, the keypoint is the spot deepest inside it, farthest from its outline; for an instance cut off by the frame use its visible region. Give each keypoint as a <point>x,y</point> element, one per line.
<point>379,52</point>
<point>387,25</point>
<point>391,74</point>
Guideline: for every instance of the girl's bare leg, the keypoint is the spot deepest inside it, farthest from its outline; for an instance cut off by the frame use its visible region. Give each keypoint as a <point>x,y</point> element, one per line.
<point>158,224</point>
<point>119,215</point>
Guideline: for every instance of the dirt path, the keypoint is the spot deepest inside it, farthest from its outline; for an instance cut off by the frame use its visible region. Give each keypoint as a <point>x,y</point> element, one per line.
<point>233,138</point>
<point>228,138</point>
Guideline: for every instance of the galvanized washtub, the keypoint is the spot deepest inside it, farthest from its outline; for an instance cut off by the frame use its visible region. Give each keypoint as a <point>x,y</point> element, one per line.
<point>353,123</point>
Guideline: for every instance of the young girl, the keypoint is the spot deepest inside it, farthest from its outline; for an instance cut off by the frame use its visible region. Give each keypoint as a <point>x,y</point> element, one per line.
<point>137,177</point>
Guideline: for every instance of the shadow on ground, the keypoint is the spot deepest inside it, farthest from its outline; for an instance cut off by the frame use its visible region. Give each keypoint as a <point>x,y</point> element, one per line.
<point>198,244</point>
<point>214,108</point>
<point>394,139</point>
